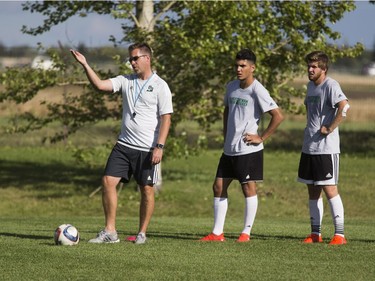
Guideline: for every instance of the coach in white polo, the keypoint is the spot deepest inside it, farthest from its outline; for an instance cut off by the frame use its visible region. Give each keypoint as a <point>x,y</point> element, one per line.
<point>146,119</point>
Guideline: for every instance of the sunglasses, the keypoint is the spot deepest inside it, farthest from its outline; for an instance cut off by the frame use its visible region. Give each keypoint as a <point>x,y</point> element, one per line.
<point>135,58</point>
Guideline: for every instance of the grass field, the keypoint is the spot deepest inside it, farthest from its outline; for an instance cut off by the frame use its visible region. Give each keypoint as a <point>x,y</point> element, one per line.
<point>43,186</point>
<point>173,252</point>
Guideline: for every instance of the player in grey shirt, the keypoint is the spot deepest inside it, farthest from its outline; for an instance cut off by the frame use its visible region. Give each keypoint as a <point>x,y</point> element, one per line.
<point>326,107</point>
<point>246,100</point>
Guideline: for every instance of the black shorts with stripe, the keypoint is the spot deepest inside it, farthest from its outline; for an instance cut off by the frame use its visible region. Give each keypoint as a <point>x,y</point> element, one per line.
<point>244,168</point>
<point>321,169</point>
<point>125,162</point>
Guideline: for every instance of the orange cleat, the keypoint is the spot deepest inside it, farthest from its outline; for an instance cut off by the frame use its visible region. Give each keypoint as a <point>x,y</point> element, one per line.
<point>338,240</point>
<point>213,237</point>
<point>313,238</point>
<point>243,238</point>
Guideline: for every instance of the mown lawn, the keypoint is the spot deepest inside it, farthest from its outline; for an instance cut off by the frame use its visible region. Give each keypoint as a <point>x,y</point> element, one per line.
<point>43,186</point>
<point>173,252</point>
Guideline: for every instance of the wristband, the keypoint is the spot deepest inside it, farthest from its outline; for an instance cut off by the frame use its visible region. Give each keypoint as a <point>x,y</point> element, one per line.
<point>159,145</point>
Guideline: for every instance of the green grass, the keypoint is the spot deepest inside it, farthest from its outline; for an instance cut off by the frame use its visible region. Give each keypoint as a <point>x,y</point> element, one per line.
<point>43,187</point>
<point>48,182</point>
<point>173,252</point>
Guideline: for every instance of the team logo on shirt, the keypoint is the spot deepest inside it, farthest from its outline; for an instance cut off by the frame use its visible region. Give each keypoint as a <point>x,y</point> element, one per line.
<point>313,99</point>
<point>150,89</point>
<point>238,101</point>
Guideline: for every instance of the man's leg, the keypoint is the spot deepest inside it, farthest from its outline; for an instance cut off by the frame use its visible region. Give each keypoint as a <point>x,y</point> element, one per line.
<point>146,210</point>
<point>109,200</point>
<point>251,207</point>
<point>147,207</point>
<point>220,189</point>
<point>337,212</point>
<point>316,213</point>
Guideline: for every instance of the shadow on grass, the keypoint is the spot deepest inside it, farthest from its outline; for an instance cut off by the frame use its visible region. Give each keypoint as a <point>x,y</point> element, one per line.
<point>47,176</point>
<point>25,236</point>
<point>234,236</point>
<point>229,236</point>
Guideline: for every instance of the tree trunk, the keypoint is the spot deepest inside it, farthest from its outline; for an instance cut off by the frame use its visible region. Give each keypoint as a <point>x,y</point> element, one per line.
<point>145,15</point>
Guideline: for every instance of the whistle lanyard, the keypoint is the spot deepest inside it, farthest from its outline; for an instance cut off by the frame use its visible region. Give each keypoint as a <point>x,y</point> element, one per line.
<point>137,94</point>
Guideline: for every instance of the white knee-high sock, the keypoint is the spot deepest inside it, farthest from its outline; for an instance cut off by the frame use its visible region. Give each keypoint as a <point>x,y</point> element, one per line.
<point>316,215</point>
<point>220,211</point>
<point>337,212</point>
<point>251,207</point>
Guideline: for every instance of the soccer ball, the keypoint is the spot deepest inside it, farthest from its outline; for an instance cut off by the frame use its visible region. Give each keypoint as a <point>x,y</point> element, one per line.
<point>66,234</point>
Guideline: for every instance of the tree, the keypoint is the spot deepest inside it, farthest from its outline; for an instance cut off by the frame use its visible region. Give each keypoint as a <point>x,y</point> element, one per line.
<point>194,43</point>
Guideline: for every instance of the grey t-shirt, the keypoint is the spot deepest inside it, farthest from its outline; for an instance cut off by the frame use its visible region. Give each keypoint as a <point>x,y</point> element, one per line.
<point>246,106</point>
<point>321,110</point>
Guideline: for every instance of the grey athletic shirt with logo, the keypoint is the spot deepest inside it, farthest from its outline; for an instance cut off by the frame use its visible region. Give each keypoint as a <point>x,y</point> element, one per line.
<point>246,106</point>
<point>321,110</point>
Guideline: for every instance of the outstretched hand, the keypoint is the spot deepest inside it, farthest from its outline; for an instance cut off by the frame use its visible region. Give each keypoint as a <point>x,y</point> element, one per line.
<point>78,56</point>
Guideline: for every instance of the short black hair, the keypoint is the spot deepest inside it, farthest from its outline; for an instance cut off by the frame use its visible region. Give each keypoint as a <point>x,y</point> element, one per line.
<point>246,54</point>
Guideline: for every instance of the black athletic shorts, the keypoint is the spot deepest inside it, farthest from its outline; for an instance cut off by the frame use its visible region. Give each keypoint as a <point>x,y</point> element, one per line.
<point>321,169</point>
<point>244,168</point>
<point>125,162</point>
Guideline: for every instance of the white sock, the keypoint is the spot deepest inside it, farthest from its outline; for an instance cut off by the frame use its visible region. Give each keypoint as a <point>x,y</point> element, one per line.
<point>220,211</point>
<point>316,215</point>
<point>337,212</point>
<point>251,207</point>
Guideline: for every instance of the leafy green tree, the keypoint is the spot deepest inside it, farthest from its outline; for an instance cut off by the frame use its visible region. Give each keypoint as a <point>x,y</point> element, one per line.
<point>194,44</point>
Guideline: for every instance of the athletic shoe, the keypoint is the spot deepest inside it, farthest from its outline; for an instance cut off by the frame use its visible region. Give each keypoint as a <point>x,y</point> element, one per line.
<point>213,237</point>
<point>105,237</point>
<point>243,238</point>
<point>141,238</point>
<point>313,238</point>
<point>338,240</point>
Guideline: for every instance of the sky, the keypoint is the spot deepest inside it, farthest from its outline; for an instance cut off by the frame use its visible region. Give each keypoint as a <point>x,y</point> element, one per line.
<point>94,30</point>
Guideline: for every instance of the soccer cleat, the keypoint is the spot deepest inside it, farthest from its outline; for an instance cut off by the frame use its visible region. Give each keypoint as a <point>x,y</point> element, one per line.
<point>243,238</point>
<point>105,237</point>
<point>141,238</point>
<point>338,240</point>
<point>213,237</point>
<point>313,238</point>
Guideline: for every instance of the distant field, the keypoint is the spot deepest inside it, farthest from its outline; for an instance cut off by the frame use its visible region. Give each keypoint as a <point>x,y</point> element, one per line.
<point>355,86</point>
<point>359,89</point>
<point>358,130</point>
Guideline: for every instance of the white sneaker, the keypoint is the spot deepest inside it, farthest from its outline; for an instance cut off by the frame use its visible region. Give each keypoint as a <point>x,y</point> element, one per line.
<point>141,238</point>
<point>105,237</point>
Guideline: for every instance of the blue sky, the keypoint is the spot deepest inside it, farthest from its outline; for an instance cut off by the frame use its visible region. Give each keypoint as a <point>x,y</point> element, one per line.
<point>94,30</point>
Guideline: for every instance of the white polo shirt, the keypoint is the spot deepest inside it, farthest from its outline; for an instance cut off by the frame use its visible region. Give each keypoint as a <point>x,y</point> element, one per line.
<point>143,102</point>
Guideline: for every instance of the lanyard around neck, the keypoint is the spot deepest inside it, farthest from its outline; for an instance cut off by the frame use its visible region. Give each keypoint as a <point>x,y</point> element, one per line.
<point>137,94</point>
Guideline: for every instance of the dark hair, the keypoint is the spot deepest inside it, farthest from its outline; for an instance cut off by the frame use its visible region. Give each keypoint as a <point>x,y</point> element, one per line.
<point>246,54</point>
<point>144,47</point>
<point>320,57</point>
